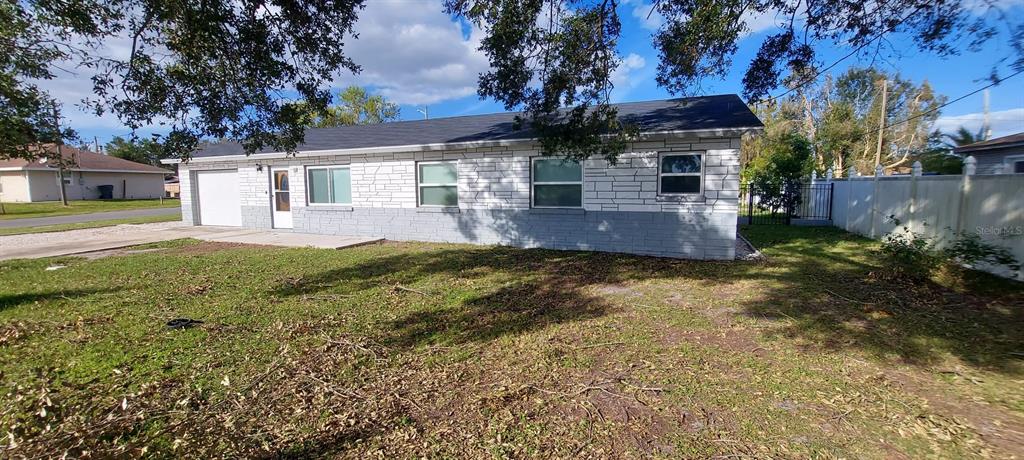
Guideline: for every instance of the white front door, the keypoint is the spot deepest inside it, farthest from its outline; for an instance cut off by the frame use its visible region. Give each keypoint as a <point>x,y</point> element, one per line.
<point>280,200</point>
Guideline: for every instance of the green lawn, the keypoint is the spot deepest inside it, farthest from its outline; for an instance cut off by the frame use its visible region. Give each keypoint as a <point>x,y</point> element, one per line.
<point>54,208</point>
<point>410,350</point>
<point>93,224</point>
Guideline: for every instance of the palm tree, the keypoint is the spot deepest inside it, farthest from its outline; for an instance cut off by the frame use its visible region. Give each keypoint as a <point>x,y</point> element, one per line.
<point>964,137</point>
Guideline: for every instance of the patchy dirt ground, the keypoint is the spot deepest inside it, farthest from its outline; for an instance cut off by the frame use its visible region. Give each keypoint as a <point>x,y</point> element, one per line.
<point>431,350</point>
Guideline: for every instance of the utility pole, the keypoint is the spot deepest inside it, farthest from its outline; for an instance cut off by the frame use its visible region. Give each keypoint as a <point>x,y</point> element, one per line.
<point>96,144</point>
<point>60,156</point>
<point>881,123</point>
<point>986,127</point>
<point>425,111</point>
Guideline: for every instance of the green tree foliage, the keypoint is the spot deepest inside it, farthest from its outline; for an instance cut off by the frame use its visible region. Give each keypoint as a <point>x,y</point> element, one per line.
<point>778,172</point>
<point>356,108</point>
<point>555,58</point>
<point>841,118</point>
<point>963,136</point>
<point>209,69</point>
<point>146,151</point>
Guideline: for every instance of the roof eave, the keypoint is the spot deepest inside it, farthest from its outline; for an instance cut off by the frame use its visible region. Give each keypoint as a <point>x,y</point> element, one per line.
<point>968,149</point>
<point>720,132</point>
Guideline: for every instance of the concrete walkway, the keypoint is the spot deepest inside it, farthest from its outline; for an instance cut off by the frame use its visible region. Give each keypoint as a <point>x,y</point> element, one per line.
<point>92,217</point>
<point>89,240</point>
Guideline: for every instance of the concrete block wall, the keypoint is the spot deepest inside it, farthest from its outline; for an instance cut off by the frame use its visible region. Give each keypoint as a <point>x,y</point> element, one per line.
<point>622,211</point>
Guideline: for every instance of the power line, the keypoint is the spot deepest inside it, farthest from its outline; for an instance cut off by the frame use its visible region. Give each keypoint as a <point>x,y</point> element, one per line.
<point>936,109</point>
<point>856,50</point>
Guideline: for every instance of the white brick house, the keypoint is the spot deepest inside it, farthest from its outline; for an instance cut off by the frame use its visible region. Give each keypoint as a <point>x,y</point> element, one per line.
<point>472,179</point>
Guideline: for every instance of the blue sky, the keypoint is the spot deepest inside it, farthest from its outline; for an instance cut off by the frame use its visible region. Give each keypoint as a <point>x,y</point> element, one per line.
<point>414,54</point>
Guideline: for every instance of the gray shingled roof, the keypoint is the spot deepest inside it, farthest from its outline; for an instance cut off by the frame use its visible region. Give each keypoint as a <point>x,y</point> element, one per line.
<point>1012,140</point>
<point>694,113</point>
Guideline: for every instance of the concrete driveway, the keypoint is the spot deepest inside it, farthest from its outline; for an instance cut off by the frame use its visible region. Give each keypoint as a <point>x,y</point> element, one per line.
<point>91,217</point>
<point>36,245</point>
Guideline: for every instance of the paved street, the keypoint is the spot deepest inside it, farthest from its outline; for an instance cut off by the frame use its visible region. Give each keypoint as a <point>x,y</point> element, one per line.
<point>78,218</point>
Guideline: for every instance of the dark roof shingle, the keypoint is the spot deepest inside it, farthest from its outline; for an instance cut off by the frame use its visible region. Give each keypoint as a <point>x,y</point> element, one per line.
<point>693,113</point>
<point>999,142</point>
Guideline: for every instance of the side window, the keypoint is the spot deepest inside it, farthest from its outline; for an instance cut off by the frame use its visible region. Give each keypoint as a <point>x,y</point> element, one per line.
<point>329,185</point>
<point>1018,166</point>
<point>680,174</point>
<point>438,183</point>
<point>556,183</point>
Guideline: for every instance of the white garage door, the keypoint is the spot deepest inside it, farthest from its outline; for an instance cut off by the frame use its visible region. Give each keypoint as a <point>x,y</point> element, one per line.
<point>219,203</point>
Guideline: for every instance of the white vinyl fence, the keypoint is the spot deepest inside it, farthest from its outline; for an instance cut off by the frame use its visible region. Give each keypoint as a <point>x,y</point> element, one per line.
<point>991,206</point>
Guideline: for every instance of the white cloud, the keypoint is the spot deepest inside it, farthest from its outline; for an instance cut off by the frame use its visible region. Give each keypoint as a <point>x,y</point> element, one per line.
<point>645,13</point>
<point>1003,122</point>
<point>415,54</point>
<point>628,75</point>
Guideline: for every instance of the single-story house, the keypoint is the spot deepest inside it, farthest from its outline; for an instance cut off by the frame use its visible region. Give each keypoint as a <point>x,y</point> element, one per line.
<point>477,179</point>
<point>172,188</point>
<point>38,180</point>
<point>1002,155</point>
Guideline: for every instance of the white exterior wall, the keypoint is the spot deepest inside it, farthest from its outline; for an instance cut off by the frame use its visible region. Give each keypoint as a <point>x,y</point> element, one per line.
<point>14,187</point>
<point>493,179</point>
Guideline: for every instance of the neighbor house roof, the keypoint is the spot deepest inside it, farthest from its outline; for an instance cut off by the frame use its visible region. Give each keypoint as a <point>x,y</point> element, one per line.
<point>1013,140</point>
<point>82,160</point>
<point>706,113</point>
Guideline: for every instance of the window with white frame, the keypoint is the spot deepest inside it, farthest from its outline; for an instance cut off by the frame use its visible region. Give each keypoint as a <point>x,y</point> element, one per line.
<point>329,185</point>
<point>67,178</point>
<point>556,183</point>
<point>438,183</point>
<point>680,174</point>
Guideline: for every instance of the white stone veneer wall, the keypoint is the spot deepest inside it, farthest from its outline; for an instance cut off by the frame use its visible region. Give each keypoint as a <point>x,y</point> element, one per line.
<point>498,179</point>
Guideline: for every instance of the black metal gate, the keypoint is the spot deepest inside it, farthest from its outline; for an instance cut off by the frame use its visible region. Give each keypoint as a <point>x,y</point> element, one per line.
<point>783,205</point>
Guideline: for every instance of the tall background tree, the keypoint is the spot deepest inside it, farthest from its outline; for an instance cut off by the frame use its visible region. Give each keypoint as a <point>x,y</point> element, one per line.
<point>842,119</point>
<point>355,107</point>
<point>210,69</point>
<point>550,54</point>
<point>230,69</point>
<point>146,151</point>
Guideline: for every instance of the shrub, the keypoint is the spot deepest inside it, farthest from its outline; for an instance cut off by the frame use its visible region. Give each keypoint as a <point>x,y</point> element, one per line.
<point>916,256</point>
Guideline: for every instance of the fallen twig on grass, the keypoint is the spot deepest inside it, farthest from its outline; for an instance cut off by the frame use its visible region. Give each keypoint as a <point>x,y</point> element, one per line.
<point>603,344</point>
<point>403,288</point>
<point>848,299</point>
<point>308,297</point>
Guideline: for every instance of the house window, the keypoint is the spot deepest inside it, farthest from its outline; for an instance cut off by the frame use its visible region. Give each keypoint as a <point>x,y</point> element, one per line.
<point>557,183</point>
<point>680,174</point>
<point>329,185</point>
<point>67,178</point>
<point>438,183</point>
<point>1016,165</point>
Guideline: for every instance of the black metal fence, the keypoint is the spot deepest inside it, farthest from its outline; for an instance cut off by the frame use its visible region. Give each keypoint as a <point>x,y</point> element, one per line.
<point>782,205</point>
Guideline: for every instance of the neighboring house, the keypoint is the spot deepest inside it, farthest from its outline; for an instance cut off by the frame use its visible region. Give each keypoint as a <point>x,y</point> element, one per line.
<point>1002,155</point>
<point>26,181</point>
<point>172,188</point>
<point>476,179</point>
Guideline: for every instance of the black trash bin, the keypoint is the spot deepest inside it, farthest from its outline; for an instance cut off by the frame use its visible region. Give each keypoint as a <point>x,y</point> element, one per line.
<point>106,191</point>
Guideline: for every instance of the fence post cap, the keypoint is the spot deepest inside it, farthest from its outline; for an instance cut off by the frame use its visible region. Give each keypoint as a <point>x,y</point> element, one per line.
<point>970,165</point>
<point>851,171</point>
<point>878,170</point>
<point>917,168</point>
<point>829,174</point>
